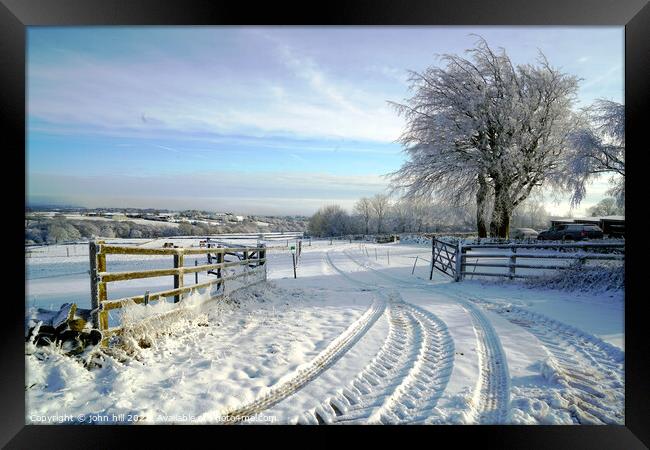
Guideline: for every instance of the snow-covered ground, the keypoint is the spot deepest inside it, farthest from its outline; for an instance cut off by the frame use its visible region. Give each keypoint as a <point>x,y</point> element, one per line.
<point>356,338</point>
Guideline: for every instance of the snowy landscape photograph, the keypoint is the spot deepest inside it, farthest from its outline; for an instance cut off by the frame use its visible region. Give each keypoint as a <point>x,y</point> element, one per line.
<point>354,225</point>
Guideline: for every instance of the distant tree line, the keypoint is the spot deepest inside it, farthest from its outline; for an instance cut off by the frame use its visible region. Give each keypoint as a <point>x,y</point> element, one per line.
<point>379,215</point>
<point>61,229</point>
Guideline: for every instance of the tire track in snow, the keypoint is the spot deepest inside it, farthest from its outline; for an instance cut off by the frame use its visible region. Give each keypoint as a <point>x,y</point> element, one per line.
<point>491,400</point>
<point>406,377</point>
<point>311,370</point>
<point>590,370</point>
<point>417,397</point>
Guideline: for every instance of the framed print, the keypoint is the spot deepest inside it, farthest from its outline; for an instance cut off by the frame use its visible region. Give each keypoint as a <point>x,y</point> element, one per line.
<point>410,216</point>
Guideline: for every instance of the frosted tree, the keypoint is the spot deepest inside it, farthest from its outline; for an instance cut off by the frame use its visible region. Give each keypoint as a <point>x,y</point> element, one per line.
<point>380,206</point>
<point>363,208</point>
<point>606,207</point>
<point>531,213</point>
<point>422,213</point>
<point>410,215</point>
<point>482,130</point>
<point>599,146</point>
<point>402,216</point>
<point>413,214</point>
<point>331,220</point>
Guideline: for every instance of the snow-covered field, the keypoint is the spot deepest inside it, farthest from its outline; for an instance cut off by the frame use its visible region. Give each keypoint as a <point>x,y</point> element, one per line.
<point>354,339</point>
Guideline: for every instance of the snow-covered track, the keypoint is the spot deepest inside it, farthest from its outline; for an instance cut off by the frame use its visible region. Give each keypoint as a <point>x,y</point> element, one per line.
<point>491,399</point>
<point>405,379</point>
<point>415,282</point>
<point>311,370</point>
<point>590,370</point>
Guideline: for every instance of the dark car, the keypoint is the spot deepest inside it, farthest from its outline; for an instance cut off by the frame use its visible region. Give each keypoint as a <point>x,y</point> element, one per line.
<point>573,232</point>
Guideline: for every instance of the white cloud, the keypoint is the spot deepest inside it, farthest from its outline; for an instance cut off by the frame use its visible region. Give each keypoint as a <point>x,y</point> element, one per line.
<point>392,73</point>
<point>308,70</point>
<point>176,95</point>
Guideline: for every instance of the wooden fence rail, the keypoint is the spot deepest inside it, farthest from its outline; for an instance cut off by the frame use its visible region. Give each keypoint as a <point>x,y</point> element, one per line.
<point>454,259</point>
<point>249,257</point>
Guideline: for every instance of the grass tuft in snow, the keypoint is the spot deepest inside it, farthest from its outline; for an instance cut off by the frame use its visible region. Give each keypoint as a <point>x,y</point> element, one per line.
<point>598,278</point>
<point>144,325</point>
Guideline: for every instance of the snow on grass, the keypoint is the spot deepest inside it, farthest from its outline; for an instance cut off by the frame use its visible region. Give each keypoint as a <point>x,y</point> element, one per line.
<point>597,278</point>
<point>212,359</point>
<point>599,313</point>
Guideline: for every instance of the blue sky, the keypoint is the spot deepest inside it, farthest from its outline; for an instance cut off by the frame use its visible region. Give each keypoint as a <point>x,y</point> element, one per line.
<point>267,120</point>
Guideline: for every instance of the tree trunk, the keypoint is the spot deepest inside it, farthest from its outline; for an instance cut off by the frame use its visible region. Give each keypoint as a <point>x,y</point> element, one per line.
<point>494,229</point>
<point>481,204</point>
<point>504,224</point>
<point>502,212</point>
<point>481,226</point>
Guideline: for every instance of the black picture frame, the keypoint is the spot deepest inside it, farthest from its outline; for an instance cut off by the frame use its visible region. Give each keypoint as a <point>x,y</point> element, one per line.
<point>16,15</point>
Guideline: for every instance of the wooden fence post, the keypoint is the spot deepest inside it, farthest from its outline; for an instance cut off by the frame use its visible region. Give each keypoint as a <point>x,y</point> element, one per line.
<point>261,254</point>
<point>582,260</point>
<point>196,274</point>
<point>179,261</point>
<point>513,261</point>
<point>433,256</point>
<point>98,287</point>
<point>459,261</point>
<point>102,288</point>
<point>219,261</point>
<point>94,279</point>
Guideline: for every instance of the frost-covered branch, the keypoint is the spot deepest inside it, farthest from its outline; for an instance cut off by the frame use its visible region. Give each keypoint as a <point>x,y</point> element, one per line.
<point>599,147</point>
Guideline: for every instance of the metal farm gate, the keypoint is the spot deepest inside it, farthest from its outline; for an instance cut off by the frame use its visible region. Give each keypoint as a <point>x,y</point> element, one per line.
<point>454,259</point>
<point>444,258</point>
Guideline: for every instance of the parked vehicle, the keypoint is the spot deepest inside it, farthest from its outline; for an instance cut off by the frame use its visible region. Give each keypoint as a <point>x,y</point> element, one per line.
<point>616,231</point>
<point>523,233</point>
<point>573,232</point>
